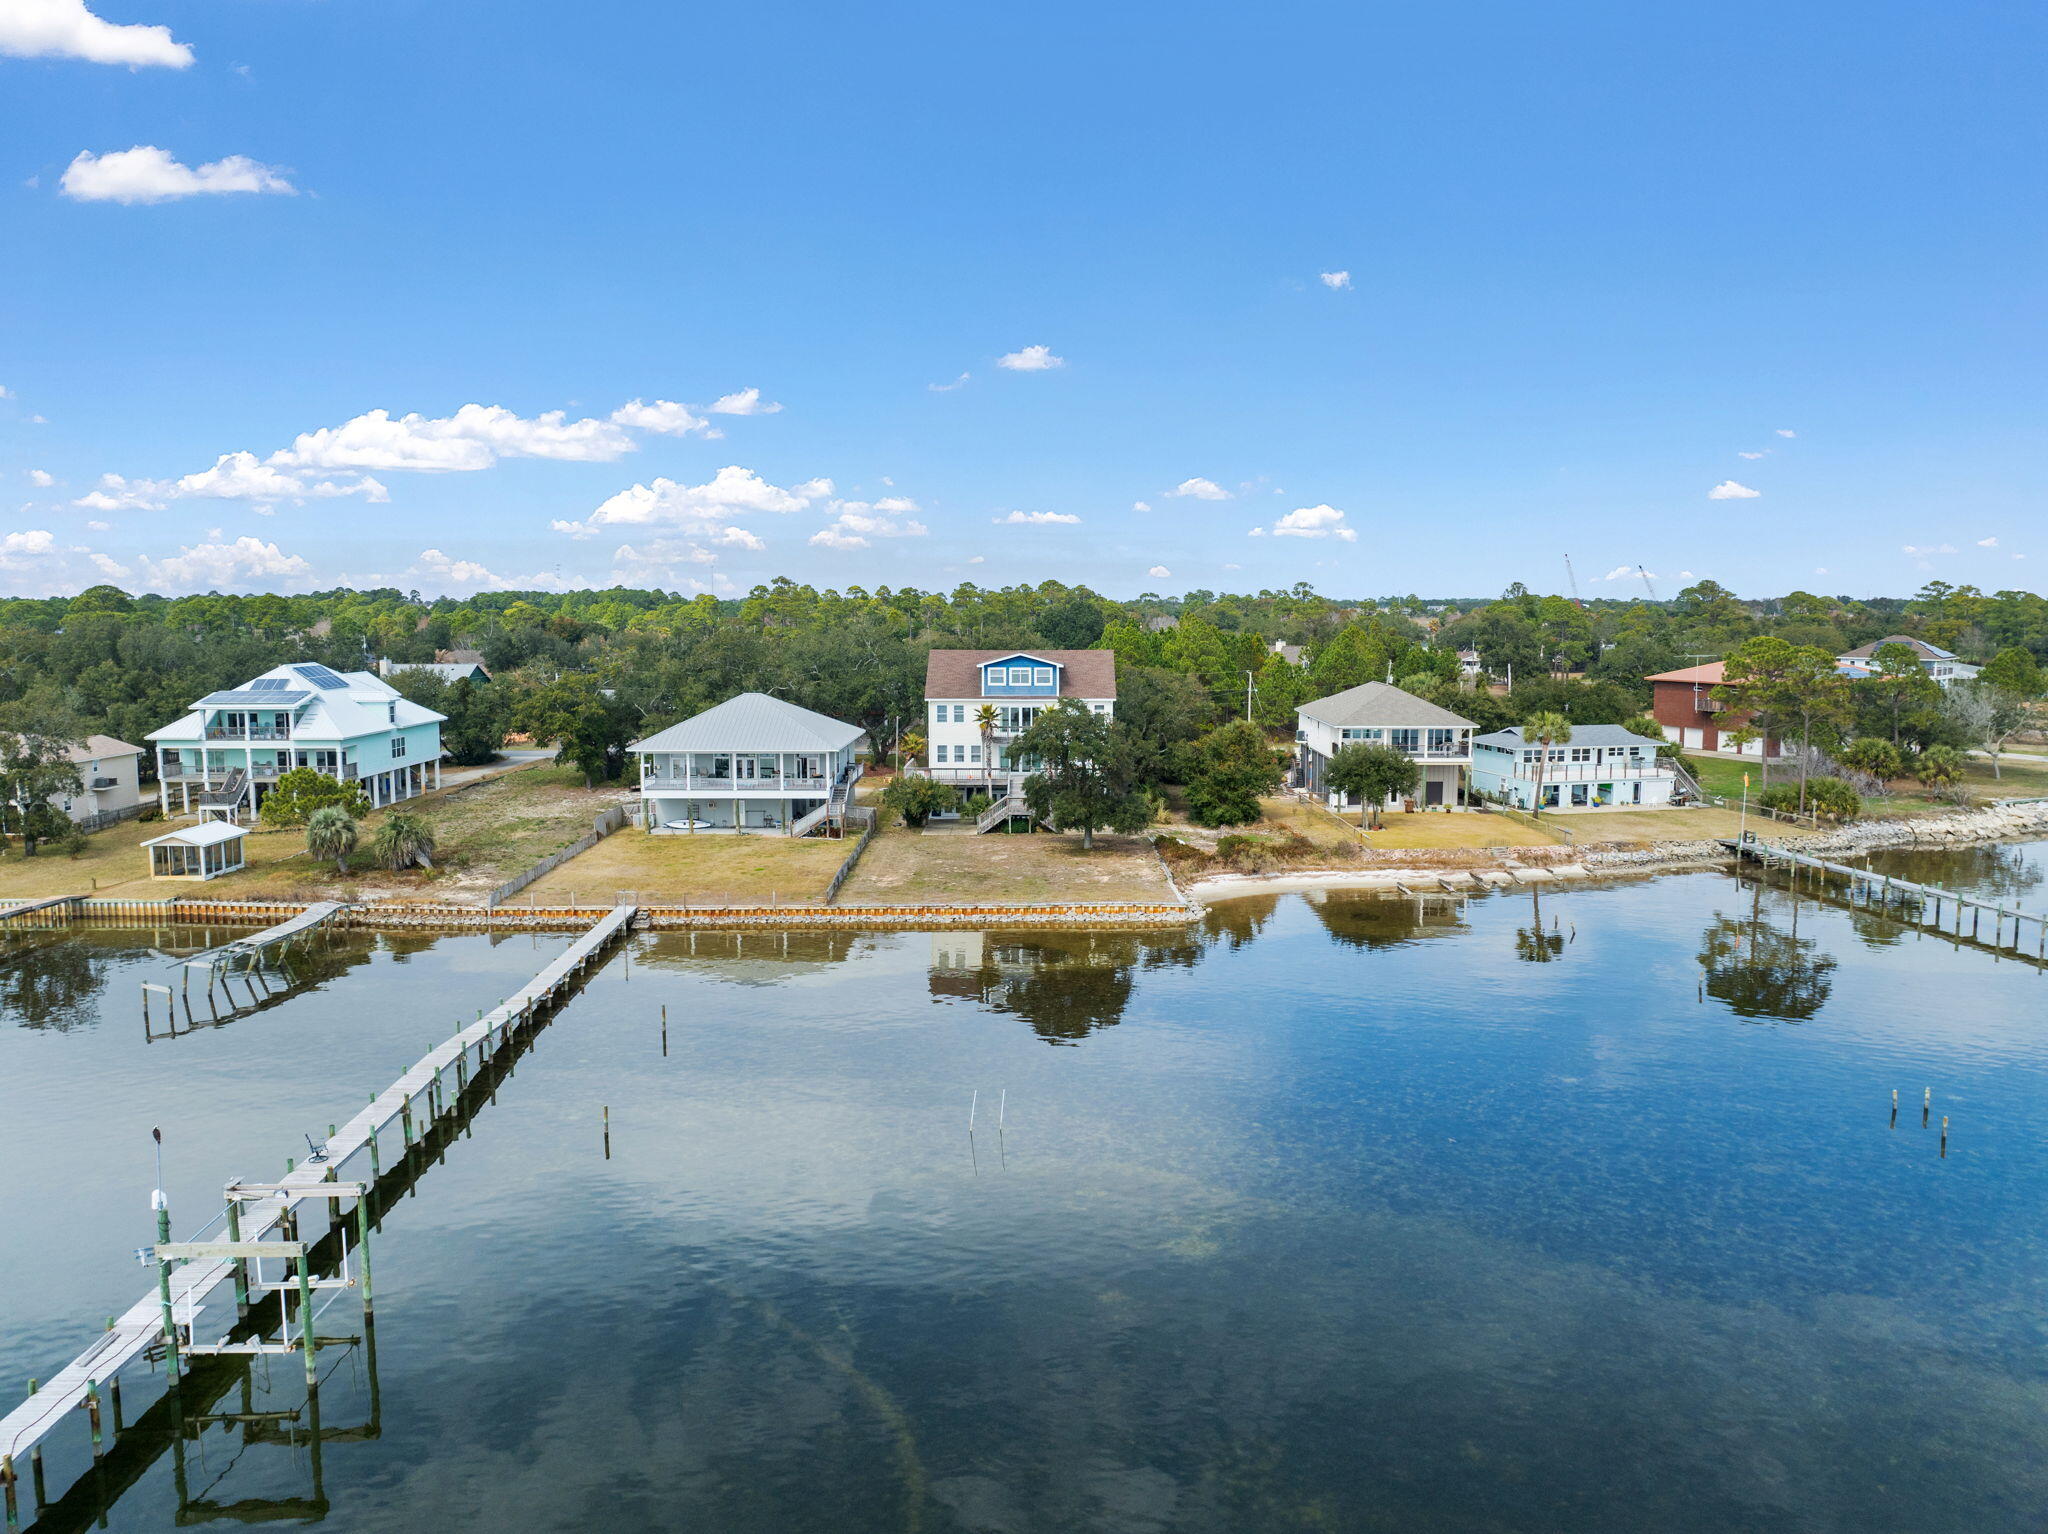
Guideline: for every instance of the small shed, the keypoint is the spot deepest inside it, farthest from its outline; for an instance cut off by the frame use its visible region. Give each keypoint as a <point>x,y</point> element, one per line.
<point>204,851</point>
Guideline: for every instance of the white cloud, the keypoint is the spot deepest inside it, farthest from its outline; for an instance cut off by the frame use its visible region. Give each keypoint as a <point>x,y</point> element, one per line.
<point>705,510</point>
<point>1032,359</point>
<point>118,494</point>
<point>42,479</point>
<point>1784,433</point>
<point>948,388</point>
<point>1930,548</point>
<point>975,559</point>
<point>5,392</point>
<point>745,402</point>
<point>1729,490</point>
<point>1141,505</point>
<point>101,527</point>
<point>1820,570</point>
<point>215,565</point>
<point>1159,572</point>
<point>65,29</point>
<point>1753,456</point>
<point>1987,543</point>
<point>475,437</point>
<point>1335,280</point>
<point>1035,519</point>
<point>149,174</point>
<point>658,558</point>
<point>1619,572</point>
<point>241,477</point>
<point>855,522</point>
<point>664,416</point>
<point>1310,522</point>
<point>1200,489</point>
<point>447,571</point>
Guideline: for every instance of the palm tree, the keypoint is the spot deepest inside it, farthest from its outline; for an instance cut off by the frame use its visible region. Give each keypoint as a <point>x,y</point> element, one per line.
<point>404,840</point>
<point>985,720</point>
<point>330,833</point>
<point>1545,730</point>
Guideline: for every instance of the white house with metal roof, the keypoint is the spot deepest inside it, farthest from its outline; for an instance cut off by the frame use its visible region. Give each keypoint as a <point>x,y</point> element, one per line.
<point>752,763</point>
<point>1945,666</point>
<point>226,753</point>
<point>1379,714</point>
<point>1602,767</point>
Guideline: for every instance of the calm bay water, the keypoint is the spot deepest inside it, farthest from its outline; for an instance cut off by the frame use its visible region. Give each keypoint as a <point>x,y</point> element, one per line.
<point>1579,1211</point>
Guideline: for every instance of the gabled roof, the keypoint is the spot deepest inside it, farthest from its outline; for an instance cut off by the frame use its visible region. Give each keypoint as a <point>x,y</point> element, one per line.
<point>97,746</point>
<point>753,721</point>
<point>1083,673</point>
<point>1919,647</point>
<point>1582,735</point>
<point>207,833</point>
<point>1377,703</point>
<point>1708,675</point>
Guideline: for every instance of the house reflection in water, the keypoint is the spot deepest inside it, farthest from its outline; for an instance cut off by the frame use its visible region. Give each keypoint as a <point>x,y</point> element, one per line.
<point>1064,984</point>
<point>757,957</point>
<point>1365,920</point>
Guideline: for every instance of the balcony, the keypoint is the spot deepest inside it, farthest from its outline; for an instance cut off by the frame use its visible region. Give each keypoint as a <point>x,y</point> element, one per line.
<point>250,732</point>
<point>725,783</point>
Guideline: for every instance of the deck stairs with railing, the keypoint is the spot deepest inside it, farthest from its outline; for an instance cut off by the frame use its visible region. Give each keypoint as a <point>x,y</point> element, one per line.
<point>230,793</point>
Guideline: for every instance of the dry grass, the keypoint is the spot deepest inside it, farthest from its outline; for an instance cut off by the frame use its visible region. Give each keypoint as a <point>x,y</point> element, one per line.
<point>1591,827</point>
<point>112,858</point>
<point>903,867</point>
<point>1459,829</point>
<point>703,870</point>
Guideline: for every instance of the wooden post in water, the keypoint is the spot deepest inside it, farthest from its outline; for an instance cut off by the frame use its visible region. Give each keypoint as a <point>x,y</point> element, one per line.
<point>241,1273</point>
<point>163,1285</point>
<point>305,1267</point>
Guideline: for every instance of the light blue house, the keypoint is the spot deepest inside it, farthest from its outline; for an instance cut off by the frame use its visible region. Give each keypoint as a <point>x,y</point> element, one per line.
<point>1602,766</point>
<point>224,756</point>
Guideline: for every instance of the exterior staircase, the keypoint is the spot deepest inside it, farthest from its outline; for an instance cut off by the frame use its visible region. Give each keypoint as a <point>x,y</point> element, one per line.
<point>1001,813</point>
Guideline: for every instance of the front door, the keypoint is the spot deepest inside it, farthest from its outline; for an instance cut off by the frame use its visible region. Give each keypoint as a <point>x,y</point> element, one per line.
<point>1433,791</point>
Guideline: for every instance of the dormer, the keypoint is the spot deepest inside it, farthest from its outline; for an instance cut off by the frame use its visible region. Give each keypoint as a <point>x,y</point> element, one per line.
<point>1020,676</point>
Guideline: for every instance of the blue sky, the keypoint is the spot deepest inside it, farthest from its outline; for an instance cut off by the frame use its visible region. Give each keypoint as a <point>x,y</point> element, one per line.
<point>1594,254</point>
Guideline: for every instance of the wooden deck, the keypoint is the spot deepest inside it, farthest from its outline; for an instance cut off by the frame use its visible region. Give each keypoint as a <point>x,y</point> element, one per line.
<point>417,1093</point>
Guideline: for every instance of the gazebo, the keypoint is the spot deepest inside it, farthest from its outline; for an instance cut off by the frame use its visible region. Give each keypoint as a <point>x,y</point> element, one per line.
<point>204,851</point>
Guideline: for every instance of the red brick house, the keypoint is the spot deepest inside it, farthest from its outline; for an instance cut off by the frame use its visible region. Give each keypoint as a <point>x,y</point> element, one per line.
<point>1682,702</point>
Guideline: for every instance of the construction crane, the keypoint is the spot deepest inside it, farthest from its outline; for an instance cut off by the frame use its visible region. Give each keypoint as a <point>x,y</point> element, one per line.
<point>1574,577</point>
<point>1648,584</point>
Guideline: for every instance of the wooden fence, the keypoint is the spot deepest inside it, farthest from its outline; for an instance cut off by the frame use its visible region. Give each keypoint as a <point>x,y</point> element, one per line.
<point>607,822</point>
<point>871,818</point>
<point>105,818</point>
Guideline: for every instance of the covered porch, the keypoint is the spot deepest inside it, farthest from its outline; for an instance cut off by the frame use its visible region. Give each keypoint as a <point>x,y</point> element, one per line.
<point>676,814</point>
<point>204,851</point>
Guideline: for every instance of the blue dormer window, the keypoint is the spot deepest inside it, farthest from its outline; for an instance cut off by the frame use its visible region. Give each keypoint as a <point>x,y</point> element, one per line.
<point>1016,675</point>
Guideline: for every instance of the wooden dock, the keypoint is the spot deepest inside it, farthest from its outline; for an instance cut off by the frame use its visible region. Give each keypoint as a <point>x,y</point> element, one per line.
<point>164,1317</point>
<point>30,907</point>
<point>1922,905</point>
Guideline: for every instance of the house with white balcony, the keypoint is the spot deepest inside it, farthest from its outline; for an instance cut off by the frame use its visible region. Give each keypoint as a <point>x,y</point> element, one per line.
<point>968,746</point>
<point>1945,667</point>
<point>1602,767</point>
<point>1379,714</point>
<point>222,758</point>
<point>752,763</point>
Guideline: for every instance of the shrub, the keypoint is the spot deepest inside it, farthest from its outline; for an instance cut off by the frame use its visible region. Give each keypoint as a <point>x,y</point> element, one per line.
<point>73,842</point>
<point>300,793</point>
<point>1832,799</point>
<point>403,841</point>
<point>1939,767</point>
<point>1780,796</point>
<point>916,797</point>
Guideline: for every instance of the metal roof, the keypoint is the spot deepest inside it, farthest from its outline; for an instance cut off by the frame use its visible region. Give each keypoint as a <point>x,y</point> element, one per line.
<point>207,833</point>
<point>252,697</point>
<point>753,721</point>
<point>1582,735</point>
<point>1377,703</point>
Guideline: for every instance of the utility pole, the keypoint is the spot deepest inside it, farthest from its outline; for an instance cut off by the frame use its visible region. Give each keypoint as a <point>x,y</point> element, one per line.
<point>1247,697</point>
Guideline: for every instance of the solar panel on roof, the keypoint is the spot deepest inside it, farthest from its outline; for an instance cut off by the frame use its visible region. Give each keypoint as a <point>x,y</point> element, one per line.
<point>269,684</point>
<point>322,678</point>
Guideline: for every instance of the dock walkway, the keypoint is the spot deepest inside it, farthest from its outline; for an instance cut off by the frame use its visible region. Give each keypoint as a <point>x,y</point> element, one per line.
<point>142,1328</point>
<point>1925,905</point>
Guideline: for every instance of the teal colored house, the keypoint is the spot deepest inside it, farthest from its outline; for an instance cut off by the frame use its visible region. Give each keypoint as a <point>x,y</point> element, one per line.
<point>224,756</point>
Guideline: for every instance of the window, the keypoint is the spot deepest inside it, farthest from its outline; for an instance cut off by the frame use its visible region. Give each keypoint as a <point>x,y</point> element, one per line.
<point>959,713</point>
<point>1041,676</point>
<point>974,755</point>
<point>1443,740</point>
<point>1582,753</point>
<point>1020,676</point>
<point>1528,756</point>
<point>938,713</point>
<point>397,748</point>
<point>1361,734</point>
<point>1406,740</point>
<point>1557,753</point>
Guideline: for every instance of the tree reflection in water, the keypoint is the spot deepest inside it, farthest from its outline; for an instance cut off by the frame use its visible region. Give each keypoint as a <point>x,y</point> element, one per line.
<point>1066,985</point>
<point>1757,969</point>
<point>53,984</point>
<point>1385,921</point>
<point>1536,944</point>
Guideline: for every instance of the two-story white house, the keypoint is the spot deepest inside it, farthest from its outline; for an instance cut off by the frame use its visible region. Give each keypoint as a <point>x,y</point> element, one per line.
<point>224,756</point>
<point>1017,685</point>
<point>1944,666</point>
<point>1379,714</point>
<point>752,763</point>
<point>1603,766</point>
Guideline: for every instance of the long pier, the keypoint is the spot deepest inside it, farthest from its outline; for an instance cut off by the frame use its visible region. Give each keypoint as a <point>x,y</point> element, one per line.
<point>164,1317</point>
<point>1925,905</point>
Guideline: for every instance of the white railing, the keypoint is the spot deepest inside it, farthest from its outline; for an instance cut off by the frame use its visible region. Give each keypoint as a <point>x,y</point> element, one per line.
<point>705,783</point>
<point>804,825</point>
<point>1003,809</point>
